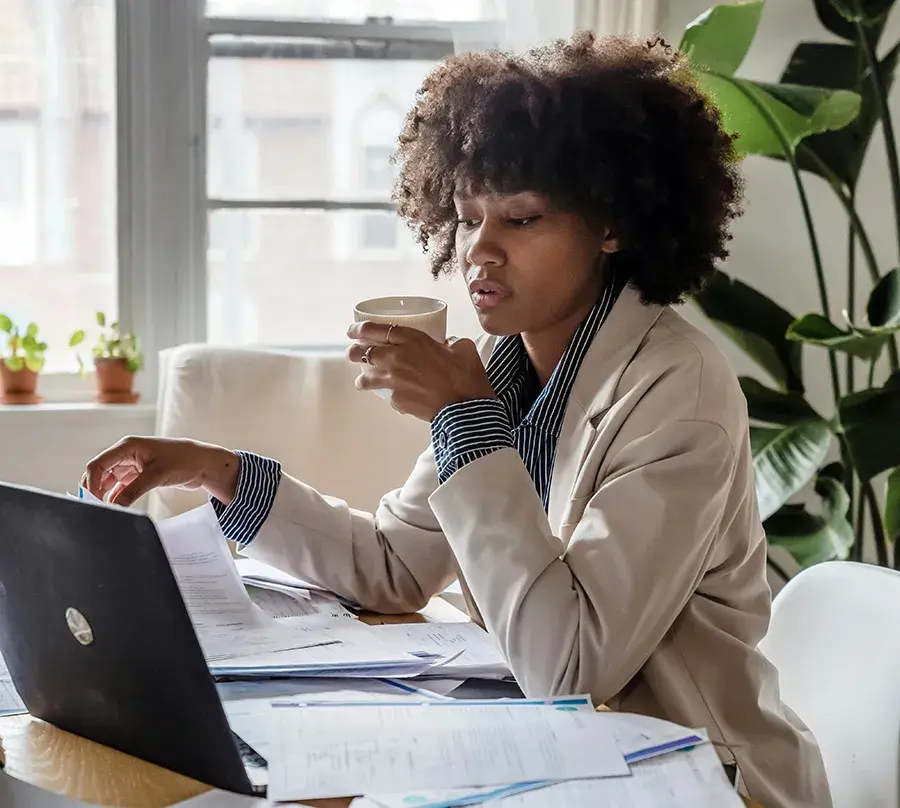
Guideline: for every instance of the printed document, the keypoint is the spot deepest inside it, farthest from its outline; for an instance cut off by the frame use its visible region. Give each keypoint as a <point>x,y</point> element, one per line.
<point>332,751</point>
<point>227,622</point>
<point>480,655</point>
<point>687,779</point>
<point>297,603</point>
<point>10,701</point>
<point>356,651</point>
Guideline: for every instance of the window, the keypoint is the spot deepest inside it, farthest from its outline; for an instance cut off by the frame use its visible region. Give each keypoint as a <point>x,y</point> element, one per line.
<point>324,88</point>
<point>18,198</point>
<point>214,171</point>
<point>57,167</point>
<point>379,230</point>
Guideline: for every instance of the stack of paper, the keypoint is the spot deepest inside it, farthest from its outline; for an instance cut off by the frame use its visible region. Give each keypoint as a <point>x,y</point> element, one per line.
<point>297,603</point>
<point>345,648</point>
<point>256,573</point>
<point>692,778</point>
<point>248,705</point>
<point>469,651</point>
<point>334,750</point>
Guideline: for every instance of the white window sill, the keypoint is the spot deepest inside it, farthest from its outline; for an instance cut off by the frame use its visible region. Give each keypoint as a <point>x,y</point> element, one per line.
<point>77,410</point>
<point>47,445</point>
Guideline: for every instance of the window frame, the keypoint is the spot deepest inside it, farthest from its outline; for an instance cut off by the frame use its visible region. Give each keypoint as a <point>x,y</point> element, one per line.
<point>162,52</point>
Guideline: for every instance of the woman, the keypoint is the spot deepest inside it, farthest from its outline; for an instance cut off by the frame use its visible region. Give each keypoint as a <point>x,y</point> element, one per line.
<point>589,478</point>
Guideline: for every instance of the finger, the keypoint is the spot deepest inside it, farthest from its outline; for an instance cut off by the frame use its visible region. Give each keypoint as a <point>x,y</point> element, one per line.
<point>368,331</point>
<point>463,345</point>
<point>144,482</point>
<point>372,381</point>
<point>365,354</point>
<point>103,462</point>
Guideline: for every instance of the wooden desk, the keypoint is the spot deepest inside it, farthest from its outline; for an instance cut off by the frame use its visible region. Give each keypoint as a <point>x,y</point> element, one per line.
<point>67,764</point>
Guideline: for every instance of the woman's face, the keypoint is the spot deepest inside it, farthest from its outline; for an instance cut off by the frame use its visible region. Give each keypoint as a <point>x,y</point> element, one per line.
<point>528,266</point>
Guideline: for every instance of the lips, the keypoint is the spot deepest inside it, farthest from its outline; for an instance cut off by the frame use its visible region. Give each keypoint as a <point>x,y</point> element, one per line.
<point>488,294</point>
<point>486,287</point>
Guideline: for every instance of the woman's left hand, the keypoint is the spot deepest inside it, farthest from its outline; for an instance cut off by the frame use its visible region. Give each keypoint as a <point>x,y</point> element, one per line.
<point>423,376</point>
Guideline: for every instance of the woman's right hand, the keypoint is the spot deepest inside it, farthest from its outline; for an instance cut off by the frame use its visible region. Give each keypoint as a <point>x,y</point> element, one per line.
<point>135,465</point>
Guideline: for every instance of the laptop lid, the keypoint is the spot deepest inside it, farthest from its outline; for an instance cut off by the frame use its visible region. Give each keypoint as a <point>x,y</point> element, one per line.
<point>97,639</point>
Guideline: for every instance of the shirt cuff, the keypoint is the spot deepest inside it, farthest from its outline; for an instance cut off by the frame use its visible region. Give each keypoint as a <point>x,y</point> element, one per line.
<point>257,485</point>
<point>466,431</point>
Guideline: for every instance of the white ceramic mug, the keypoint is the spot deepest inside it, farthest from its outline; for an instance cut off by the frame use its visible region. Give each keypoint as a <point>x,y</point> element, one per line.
<point>426,314</point>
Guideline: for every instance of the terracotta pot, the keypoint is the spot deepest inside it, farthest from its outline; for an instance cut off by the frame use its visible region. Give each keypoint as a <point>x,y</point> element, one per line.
<point>18,386</point>
<point>114,382</point>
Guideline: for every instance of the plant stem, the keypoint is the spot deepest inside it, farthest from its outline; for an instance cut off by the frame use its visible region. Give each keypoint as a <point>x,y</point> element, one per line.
<point>872,365</point>
<point>868,493</point>
<point>850,360</point>
<point>791,158</point>
<point>851,292</point>
<point>859,527</point>
<point>860,230</point>
<point>884,113</point>
<point>781,571</point>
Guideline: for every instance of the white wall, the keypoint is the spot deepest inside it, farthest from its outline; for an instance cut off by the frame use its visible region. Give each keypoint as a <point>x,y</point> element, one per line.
<point>48,447</point>
<point>770,249</point>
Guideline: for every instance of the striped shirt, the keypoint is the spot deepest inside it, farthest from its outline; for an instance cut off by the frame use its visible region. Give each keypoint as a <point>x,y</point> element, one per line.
<point>522,417</point>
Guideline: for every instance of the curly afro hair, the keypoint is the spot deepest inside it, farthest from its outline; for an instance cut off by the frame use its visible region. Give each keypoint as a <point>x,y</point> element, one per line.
<point>613,128</point>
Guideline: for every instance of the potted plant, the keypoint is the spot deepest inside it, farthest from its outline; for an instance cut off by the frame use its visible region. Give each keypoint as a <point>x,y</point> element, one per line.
<point>818,120</point>
<point>117,357</point>
<point>20,363</point>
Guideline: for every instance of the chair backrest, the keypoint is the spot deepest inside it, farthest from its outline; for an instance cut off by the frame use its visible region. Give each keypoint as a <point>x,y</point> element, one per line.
<point>298,407</point>
<point>835,640</point>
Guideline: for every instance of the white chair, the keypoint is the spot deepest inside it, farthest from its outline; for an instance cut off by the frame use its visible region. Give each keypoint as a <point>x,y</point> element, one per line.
<point>298,407</point>
<point>835,640</point>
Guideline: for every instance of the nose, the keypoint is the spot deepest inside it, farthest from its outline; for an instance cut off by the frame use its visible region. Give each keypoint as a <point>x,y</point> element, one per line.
<point>484,247</point>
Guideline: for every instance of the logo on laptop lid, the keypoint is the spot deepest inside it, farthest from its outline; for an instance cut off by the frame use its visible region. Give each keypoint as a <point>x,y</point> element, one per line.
<point>79,626</point>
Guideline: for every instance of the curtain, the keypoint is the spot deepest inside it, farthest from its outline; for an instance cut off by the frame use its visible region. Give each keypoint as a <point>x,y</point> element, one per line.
<point>532,22</point>
<point>616,16</point>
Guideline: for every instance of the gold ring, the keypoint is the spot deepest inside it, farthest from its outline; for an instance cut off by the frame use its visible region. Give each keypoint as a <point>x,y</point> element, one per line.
<point>388,337</point>
<point>366,358</point>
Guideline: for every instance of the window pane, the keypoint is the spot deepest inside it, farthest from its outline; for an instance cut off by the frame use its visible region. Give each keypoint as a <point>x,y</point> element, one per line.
<point>306,128</point>
<point>305,272</point>
<point>358,10</point>
<point>57,167</point>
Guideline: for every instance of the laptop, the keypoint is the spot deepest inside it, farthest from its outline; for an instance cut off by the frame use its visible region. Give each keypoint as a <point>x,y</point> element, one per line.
<point>98,641</point>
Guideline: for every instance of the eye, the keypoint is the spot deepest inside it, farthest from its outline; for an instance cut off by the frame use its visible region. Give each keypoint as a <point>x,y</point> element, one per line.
<point>523,221</point>
<point>467,223</point>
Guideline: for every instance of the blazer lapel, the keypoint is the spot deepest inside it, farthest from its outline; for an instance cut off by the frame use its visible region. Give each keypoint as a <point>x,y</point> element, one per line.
<point>615,345</point>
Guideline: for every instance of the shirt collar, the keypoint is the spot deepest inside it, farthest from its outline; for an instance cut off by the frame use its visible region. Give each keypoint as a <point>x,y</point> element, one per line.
<point>509,363</point>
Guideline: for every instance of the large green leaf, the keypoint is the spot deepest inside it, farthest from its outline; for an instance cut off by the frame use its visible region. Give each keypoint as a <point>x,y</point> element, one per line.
<point>785,459</point>
<point>892,506</point>
<point>883,308</point>
<point>799,111</point>
<point>720,37</point>
<point>769,406</point>
<point>841,67</point>
<point>756,324</point>
<point>812,538</point>
<point>816,329</point>
<point>870,421</point>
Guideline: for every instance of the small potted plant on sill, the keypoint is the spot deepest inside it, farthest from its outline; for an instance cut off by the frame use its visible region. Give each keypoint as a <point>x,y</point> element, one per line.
<point>20,363</point>
<point>117,357</point>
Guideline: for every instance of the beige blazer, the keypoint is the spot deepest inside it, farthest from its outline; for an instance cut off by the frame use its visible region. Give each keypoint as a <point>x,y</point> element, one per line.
<point>646,585</point>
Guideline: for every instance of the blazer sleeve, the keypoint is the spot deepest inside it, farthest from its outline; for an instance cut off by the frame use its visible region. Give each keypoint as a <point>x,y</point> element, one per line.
<point>392,561</point>
<point>584,618</point>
